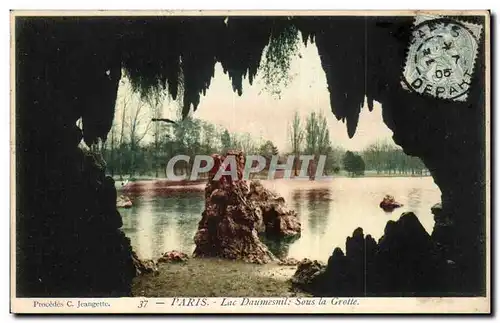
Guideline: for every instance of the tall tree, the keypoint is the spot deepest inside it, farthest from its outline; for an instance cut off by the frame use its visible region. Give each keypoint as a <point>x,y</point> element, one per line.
<point>225,140</point>
<point>296,138</point>
<point>139,123</point>
<point>268,150</point>
<point>317,135</point>
<point>156,102</point>
<point>353,163</point>
<point>247,144</point>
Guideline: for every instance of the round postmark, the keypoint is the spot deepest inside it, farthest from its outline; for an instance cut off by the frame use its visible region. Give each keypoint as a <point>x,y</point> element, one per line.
<point>441,59</point>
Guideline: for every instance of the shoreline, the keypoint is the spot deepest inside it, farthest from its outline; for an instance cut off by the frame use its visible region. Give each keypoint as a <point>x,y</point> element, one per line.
<point>215,277</point>
<point>169,182</point>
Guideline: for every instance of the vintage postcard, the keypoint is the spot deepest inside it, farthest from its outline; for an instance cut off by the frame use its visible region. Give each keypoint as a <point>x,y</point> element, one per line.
<point>250,162</point>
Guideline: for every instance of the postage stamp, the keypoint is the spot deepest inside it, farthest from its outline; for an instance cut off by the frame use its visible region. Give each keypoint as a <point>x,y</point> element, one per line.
<point>441,57</point>
<point>250,162</point>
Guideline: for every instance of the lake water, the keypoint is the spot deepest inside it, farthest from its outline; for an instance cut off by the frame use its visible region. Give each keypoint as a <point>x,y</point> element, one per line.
<point>329,212</point>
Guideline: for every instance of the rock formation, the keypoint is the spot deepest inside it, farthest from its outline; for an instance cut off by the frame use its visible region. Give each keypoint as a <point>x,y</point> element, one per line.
<point>288,262</point>
<point>308,275</point>
<point>123,202</point>
<point>236,212</point>
<point>404,262</point>
<point>148,266</point>
<point>173,256</point>
<point>388,203</point>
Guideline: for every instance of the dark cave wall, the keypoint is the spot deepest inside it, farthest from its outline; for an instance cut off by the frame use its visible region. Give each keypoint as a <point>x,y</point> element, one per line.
<point>449,137</point>
<point>68,237</point>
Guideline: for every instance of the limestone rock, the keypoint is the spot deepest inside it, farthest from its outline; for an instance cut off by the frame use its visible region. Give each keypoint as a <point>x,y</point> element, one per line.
<point>288,262</point>
<point>123,202</point>
<point>404,262</point>
<point>236,212</point>
<point>389,203</point>
<point>142,267</point>
<point>173,256</point>
<point>308,274</point>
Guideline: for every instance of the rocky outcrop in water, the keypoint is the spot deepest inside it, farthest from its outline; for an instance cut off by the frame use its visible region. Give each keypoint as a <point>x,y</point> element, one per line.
<point>173,256</point>
<point>123,202</point>
<point>389,203</point>
<point>404,262</point>
<point>277,220</point>
<point>236,212</point>
<point>308,275</point>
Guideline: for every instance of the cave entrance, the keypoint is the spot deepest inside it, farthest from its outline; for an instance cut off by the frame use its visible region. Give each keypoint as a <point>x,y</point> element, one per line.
<point>261,121</point>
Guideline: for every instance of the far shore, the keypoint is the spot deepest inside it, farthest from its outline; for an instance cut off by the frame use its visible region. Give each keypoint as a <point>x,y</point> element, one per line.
<point>170,182</point>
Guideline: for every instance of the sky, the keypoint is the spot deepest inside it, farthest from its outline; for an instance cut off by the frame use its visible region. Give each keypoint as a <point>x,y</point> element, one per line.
<point>266,116</point>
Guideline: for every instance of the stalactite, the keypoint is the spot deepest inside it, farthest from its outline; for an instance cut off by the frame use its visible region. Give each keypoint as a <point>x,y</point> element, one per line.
<point>341,46</point>
<point>243,43</point>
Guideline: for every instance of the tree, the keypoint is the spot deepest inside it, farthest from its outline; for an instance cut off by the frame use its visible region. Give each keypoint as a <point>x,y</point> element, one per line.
<point>139,125</point>
<point>317,139</point>
<point>138,146</point>
<point>246,144</point>
<point>210,141</point>
<point>296,138</point>
<point>317,135</point>
<point>359,165</point>
<point>353,164</point>
<point>311,134</point>
<point>383,156</point>
<point>155,102</point>
<point>225,140</point>
<point>268,150</point>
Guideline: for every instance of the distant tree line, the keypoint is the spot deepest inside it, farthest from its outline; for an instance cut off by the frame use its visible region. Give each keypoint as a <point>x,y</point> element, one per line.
<point>137,146</point>
<point>386,158</point>
<point>130,157</point>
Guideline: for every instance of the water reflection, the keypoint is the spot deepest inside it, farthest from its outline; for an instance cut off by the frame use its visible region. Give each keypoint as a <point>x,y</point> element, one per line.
<point>329,212</point>
<point>414,199</point>
<point>319,206</point>
<point>156,224</point>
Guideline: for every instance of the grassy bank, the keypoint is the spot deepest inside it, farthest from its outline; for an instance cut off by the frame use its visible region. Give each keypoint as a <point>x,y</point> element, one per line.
<point>216,278</point>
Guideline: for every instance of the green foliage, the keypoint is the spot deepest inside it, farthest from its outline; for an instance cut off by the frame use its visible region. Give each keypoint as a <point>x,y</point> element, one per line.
<point>353,164</point>
<point>388,158</point>
<point>268,149</point>
<point>147,87</point>
<point>296,134</point>
<point>189,136</point>
<point>282,48</point>
<point>317,135</point>
<point>313,139</point>
<point>226,140</point>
